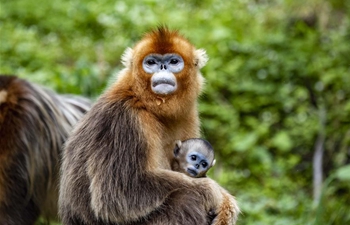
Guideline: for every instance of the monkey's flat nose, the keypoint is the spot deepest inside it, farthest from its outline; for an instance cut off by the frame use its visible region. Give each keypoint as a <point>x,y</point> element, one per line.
<point>197,166</point>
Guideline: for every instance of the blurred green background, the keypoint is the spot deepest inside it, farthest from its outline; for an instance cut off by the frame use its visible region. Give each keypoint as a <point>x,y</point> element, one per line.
<point>278,86</point>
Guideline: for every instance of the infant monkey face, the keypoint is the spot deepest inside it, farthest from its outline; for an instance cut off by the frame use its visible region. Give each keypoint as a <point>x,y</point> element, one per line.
<point>197,164</point>
<point>194,156</point>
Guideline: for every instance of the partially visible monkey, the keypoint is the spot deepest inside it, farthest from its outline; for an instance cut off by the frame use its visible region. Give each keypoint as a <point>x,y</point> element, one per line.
<point>117,163</point>
<point>34,123</point>
<point>193,157</point>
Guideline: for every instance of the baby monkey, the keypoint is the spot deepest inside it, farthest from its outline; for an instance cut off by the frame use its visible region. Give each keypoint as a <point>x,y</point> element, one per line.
<point>193,157</point>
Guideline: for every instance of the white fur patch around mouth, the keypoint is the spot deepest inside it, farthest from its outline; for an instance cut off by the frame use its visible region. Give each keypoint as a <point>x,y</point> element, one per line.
<point>163,88</point>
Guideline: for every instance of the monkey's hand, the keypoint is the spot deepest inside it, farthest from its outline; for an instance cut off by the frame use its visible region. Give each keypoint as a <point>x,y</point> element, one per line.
<point>228,211</point>
<point>222,209</point>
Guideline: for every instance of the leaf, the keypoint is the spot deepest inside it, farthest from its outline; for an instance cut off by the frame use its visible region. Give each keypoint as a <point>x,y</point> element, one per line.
<point>343,173</point>
<point>282,141</point>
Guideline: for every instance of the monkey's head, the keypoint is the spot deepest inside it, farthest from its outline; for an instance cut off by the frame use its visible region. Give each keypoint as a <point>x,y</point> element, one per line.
<point>194,157</point>
<point>164,69</point>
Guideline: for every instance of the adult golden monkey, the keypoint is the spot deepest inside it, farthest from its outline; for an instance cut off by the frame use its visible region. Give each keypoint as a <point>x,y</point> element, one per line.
<point>116,165</point>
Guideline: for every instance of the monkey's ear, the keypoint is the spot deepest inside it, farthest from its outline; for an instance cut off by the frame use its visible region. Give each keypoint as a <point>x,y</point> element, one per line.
<point>177,147</point>
<point>201,58</point>
<point>213,163</point>
<point>127,57</point>
<point>178,143</point>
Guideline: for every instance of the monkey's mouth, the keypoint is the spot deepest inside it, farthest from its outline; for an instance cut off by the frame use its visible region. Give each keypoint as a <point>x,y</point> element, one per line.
<point>192,172</point>
<point>163,81</point>
<point>164,87</point>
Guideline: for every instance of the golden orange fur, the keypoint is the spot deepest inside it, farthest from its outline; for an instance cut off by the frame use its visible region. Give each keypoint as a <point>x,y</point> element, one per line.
<point>180,108</point>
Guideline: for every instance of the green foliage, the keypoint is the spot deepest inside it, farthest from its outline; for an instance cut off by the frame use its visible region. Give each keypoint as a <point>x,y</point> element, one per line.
<point>273,65</point>
<point>343,173</point>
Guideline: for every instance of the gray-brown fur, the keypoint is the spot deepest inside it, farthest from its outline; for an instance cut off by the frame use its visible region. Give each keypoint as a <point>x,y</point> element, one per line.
<point>34,123</point>
<point>112,148</point>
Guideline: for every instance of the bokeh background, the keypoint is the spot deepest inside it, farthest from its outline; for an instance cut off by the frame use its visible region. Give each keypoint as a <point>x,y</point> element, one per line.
<point>276,106</point>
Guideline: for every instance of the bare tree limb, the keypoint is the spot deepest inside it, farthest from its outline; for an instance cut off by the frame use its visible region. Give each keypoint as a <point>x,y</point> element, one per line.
<point>317,161</point>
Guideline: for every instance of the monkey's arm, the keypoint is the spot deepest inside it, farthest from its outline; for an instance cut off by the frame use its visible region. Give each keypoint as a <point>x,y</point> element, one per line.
<point>216,200</point>
<point>138,196</point>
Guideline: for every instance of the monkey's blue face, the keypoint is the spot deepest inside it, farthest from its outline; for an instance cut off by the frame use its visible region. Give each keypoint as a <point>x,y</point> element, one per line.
<point>197,163</point>
<point>163,68</point>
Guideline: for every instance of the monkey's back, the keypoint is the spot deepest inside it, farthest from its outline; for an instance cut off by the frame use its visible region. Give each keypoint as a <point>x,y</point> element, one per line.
<point>34,123</point>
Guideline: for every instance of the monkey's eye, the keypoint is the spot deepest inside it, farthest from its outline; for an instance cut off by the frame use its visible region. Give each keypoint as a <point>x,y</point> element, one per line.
<point>193,157</point>
<point>204,164</point>
<point>174,61</point>
<point>151,62</point>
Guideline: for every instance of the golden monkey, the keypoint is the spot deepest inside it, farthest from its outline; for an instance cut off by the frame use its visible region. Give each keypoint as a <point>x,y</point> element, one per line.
<point>117,163</point>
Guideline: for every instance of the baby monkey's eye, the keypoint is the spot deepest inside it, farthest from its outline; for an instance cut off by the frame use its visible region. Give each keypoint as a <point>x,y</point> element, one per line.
<point>193,157</point>
<point>204,164</point>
